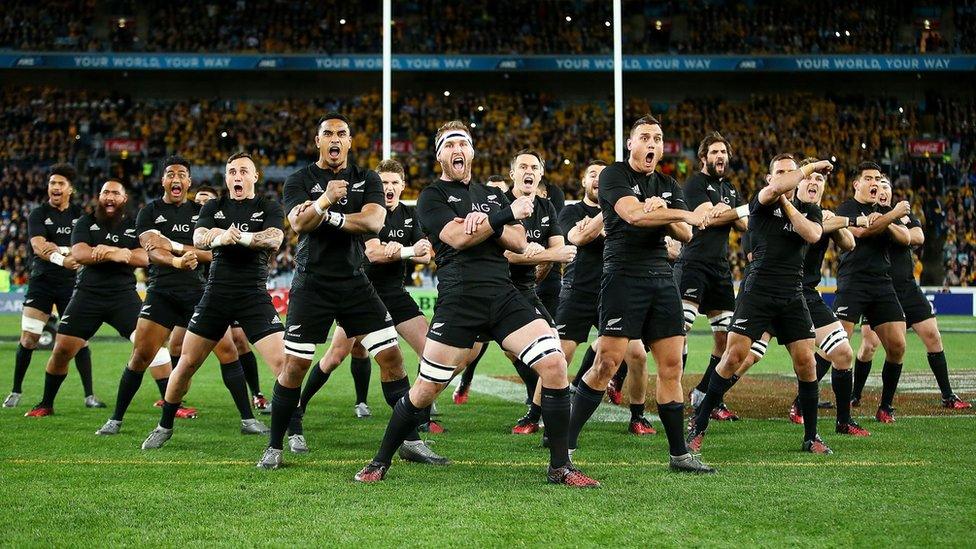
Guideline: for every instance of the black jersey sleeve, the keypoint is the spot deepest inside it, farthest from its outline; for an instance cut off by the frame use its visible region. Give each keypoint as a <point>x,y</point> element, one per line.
<point>554,228</point>
<point>695,193</point>
<point>568,218</point>
<point>418,232</point>
<point>556,196</point>
<point>274,215</point>
<point>433,211</point>
<point>82,231</point>
<point>144,220</point>
<point>677,201</point>
<point>847,209</point>
<point>614,185</point>
<point>374,190</point>
<point>294,191</point>
<point>35,224</point>
<point>206,218</point>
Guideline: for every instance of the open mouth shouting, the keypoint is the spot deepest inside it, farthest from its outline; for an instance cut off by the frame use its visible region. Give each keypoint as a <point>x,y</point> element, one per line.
<point>176,190</point>
<point>457,162</point>
<point>649,158</point>
<point>334,153</point>
<point>873,191</point>
<point>237,189</point>
<point>389,197</point>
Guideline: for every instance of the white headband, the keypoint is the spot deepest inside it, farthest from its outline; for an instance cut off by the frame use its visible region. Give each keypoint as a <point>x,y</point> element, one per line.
<point>452,135</point>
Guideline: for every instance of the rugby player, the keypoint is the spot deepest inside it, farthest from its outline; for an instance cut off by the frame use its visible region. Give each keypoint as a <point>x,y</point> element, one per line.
<point>52,278</point>
<point>703,273</point>
<point>242,231</point>
<point>918,310</point>
<point>388,252</point>
<point>864,284</point>
<point>470,226</point>
<point>106,246</point>
<point>244,352</point>
<point>578,310</point>
<point>638,298</point>
<point>332,203</point>
<point>546,245</point>
<point>771,297</point>
<point>175,286</point>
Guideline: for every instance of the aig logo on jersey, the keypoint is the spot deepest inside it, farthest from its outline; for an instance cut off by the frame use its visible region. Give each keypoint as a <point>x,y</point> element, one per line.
<point>396,233</point>
<point>485,208</point>
<point>533,233</point>
<point>112,237</point>
<point>181,228</point>
<point>62,230</point>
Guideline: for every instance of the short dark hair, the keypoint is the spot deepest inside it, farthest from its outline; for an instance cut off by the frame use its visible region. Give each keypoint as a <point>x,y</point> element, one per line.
<point>207,189</point>
<point>711,139</point>
<point>391,166</point>
<point>646,119</point>
<point>533,152</point>
<point>865,166</point>
<point>332,115</point>
<point>781,156</point>
<point>176,160</point>
<point>238,155</point>
<point>594,162</point>
<point>495,179</point>
<point>65,170</point>
<point>115,180</point>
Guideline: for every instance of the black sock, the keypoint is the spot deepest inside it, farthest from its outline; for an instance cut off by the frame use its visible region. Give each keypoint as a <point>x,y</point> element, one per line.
<point>128,387</point>
<point>284,401</point>
<point>174,360</point>
<point>588,357</point>
<point>52,384</point>
<point>361,369</point>
<point>250,365</point>
<point>403,422</point>
<point>862,369</point>
<point>393,392</point>
<point>296,426</point>
<point>939,366</point>
<point>707,376</point>
<point>468,374</point>
<point>22,362</point>
<point>83,363</point>
<point>684,360</point>
<point>889,383</point>
<point>233,376</point>
<point>621,375</point>
<point>842,381</point>
<point>717,387</point>
<point>809,396</point>
<point>534,413</point>
<point>556,405</point>
<point>316,379</point>
<point>823,366</point>
<point>585,402</point>
<point>636,411</point>
<point>169,414</point>
<point>673,418</point>
<point>160,384</point>
<point>529,378</point>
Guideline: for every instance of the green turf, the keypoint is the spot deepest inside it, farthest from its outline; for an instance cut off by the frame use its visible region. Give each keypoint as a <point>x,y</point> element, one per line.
<point>908,485</point>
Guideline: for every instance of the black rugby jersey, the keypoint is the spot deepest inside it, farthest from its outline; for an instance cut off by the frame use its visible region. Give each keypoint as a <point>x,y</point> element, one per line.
<point>56,227</point>
<point>539,226</point>
<point>481,265</point>
<point>238,267</point>
<point>403,226</point>
<point>328,252</point>
<point>177,224</point>
<point>630,249</point>
<point>108,277</point>
<point>584,272</point>
<point>777,250</point>
<point>712,243</point>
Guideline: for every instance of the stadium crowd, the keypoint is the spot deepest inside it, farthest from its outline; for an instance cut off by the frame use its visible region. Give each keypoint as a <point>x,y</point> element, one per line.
<point>44,125</point>
<point>540,27</point>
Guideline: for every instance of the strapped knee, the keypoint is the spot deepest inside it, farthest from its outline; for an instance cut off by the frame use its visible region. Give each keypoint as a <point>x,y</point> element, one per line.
<point>721,321</point>
<point>161,358</point>
<point>301,350</point>
<point>690,312</point>
<point>539,349</point>
<point>435,372</point>
<point>377,341</point>
<point>32,325</point>
<point>833,340</point>
<point>758,348</point>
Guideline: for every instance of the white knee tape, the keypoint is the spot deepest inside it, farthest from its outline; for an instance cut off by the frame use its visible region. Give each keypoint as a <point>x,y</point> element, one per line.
<point>32,325</point>
<point>161,358</point>
<point>759,348</point>
<point>132,337</point>
<point>833,340</point>
<point>690,313</point>
<point>721,321</point>
<point>435,373</point>
<point>380,340</point>
<point>539,349</point>
<point>301,350</point>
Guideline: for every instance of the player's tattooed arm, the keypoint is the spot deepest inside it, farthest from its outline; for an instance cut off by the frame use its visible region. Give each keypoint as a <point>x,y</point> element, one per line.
<point>203,238</point>
<point>268,239</point>
<point>160,252</point>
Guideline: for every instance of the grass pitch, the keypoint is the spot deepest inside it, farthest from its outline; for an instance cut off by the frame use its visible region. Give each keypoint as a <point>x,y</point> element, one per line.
<point>909,484</point>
